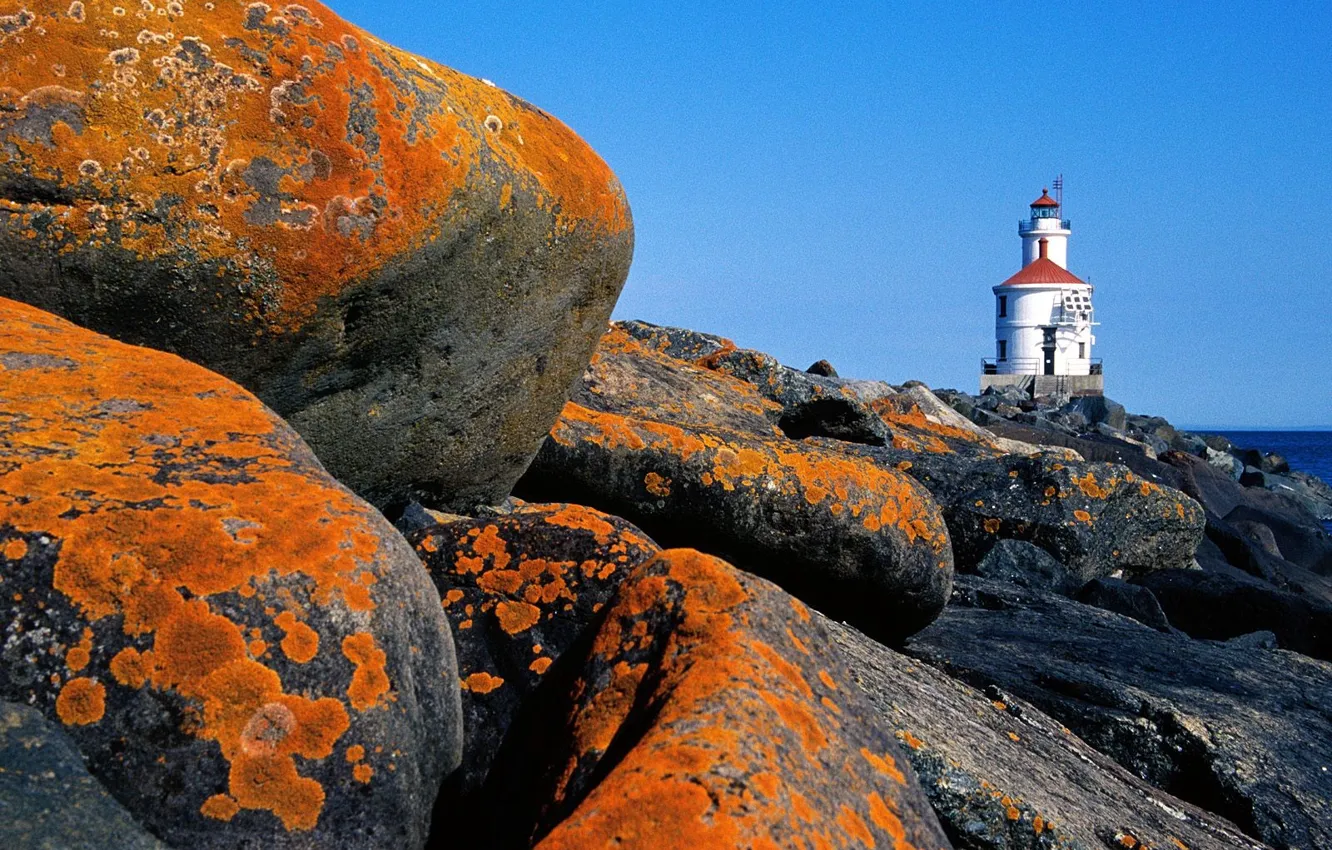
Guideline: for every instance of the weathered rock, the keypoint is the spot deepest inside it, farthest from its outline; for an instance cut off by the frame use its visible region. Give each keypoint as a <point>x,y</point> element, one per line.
<point>706,711</point>
<point>243,650</point>
<point>822,368</point>
<point>633,378</point>
<point>409,264</point>
<point>863,543</point>
<point>1099,409</point>
<point>1312,492</point>
<point>1296,532</point>
<point>680,343</point>
<point>1132,600</point>
<point>1094,518</point>
<point>1001,775</point>
<point>48,801</point>
<point>1239,733</point>
<point>1219,607</point>
<point>1027,565</point>
<point>519,590</point>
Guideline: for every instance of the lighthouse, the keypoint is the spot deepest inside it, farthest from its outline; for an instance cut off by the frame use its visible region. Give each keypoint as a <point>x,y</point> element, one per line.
<point>1043,317</point>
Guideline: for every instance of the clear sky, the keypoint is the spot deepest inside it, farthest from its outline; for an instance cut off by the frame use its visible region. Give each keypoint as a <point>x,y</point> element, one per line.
<point>843,180</point>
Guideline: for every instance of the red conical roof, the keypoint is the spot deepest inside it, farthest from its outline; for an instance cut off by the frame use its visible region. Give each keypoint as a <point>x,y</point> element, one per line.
<point>1045,200</point>
<point>1042,270</point>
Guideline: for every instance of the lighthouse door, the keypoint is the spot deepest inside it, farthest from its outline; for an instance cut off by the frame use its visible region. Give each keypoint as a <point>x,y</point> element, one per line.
<point>1048,349</point>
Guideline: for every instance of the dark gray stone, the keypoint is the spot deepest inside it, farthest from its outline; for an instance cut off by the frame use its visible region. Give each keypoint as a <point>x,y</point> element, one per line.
<point>48,800</point>
<point>1028,565</point>
<point>1220,607</point>
<point>1240,733</point>
<point>1131,600</point>
<point>1002,775</point>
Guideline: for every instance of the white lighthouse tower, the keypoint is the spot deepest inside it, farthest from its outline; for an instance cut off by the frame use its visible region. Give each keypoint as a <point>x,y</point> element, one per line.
<point>1043,315</point>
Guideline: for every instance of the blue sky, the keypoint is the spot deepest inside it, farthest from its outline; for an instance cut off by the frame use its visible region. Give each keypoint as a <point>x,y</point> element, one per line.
<point>843,180</point>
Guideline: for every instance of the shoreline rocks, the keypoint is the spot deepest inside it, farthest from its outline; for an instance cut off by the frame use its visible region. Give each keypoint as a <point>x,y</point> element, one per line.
<point>864,543</point>
<point>242,649</point>
<point>409,264</point>
<point>705,711</point>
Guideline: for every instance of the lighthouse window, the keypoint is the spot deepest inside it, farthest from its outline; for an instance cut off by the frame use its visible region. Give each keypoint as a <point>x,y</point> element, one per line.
<point>1003,310</point>
<point>1082,351</point>
<point>1003,346</point>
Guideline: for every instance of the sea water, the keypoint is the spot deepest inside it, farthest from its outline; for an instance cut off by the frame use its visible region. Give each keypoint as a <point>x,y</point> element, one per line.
<point>1307,451</point>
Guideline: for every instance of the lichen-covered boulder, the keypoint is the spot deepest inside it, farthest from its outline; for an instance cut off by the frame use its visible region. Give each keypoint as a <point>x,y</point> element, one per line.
<point>48,801</point>
<point>245,652</point>
<point>519,591</point>
<point>632,378</point>
<point>1094,518</point>
<point>409,264</point>
<point>707,711</point>
<point>857,541</point>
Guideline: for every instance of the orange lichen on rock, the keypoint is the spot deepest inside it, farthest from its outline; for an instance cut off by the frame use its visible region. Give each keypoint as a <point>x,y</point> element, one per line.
<point>879,497</point>
<point>732,752</point>
<point>300,148</point>
<point>78,656</point>
<point>481,683</point>
<point>221,807</point>
<point>369,682</point>
<point>81,701</point>
<point>169,487</point>
<point>300,642</point>
<point>631,378</point>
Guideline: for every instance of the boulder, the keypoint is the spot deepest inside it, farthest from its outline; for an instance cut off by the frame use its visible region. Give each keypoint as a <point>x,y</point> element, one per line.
<point>707,710</point>
<point>47,798</point>
<point>1002,775</point>
<point>680,343</point>
<point>1026,565</point>
<point>629,377</point>
<point>409,264</point>
<point>1227,463</point>
<point>244,652</point>
<point>1094,518</point>
<point>1132,600</point>
<point>1220,607</point>
<point>1297,533</point>
<point>519,591</point>
<point>812,405</point>
<point>1098,410</point>
<point>863,543</point>
<point>822,368</point>
<point>1239,733</point>
<point>1309,490</point>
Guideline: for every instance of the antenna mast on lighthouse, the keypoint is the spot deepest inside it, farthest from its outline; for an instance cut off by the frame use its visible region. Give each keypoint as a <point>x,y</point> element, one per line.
<point>1059,193</point>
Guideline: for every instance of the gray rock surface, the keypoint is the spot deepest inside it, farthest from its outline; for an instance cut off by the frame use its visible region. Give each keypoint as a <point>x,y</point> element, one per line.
<point>48,800</point>
<point>1002,775</point>
<point>1243,733</point>
<point>408,264</point>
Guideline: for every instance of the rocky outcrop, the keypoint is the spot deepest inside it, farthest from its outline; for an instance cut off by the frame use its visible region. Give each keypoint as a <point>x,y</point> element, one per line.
<point>1220,607</point>
<point>628,377</point>
<point>48,799</point>
<point>519,591</point>
<point>1027,565</point>
<point>1095,519</point>
<point>243,650</point>
<point>706,711</point>
<point>1237,731</point>
<point>409,264</point>
<point>1002,775</point>
<point>1132,600</point>
<point>863,543</point>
